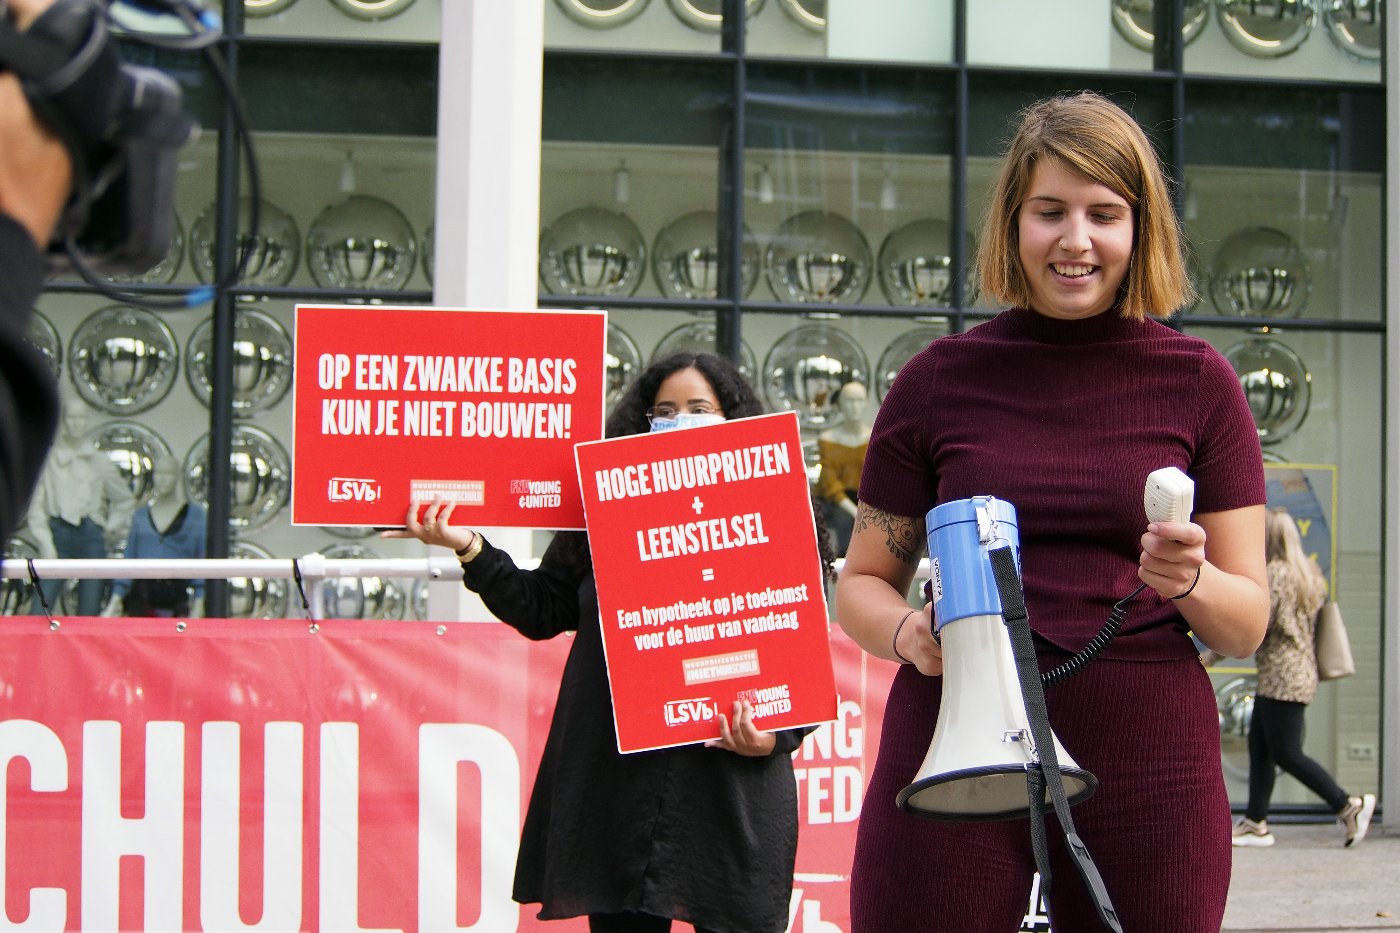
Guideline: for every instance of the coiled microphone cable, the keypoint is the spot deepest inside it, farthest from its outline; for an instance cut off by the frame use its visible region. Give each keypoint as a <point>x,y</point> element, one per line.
<point>1074,665</point>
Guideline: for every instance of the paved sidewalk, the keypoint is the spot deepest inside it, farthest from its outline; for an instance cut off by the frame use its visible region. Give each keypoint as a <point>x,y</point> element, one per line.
<point>1307,883</point>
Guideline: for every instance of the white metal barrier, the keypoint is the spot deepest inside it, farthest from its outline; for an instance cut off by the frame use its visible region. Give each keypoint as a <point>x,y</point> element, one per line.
<point>315,570</point>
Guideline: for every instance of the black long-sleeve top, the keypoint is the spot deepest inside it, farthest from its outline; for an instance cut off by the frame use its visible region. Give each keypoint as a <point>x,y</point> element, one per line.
<point>696,834</point>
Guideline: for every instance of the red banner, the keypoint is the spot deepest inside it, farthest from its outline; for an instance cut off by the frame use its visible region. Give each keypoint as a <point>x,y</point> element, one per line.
<point>370,776</point>
<point>483,408</point>
<point>709,583</point>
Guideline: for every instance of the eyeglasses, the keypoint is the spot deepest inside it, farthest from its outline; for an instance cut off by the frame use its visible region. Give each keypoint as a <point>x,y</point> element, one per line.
<point>666,412</point>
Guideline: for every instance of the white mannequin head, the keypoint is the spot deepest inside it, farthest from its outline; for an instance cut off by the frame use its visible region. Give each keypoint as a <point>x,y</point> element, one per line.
<point>850,399</point>
<point>165,477</point>
<point>75,416</point>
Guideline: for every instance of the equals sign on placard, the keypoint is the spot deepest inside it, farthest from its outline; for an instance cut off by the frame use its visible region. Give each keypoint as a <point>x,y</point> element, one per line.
<point>707,574</point>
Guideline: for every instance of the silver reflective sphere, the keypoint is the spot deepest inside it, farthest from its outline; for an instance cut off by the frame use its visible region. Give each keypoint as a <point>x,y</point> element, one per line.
<point>806,366</point>
<point>360,597</point>
<point>17,594</point>
<point>123,359</point>
<point>133,449</point>
<point>809,14</point>
<point>426,247</point>
<point>256,597</point>
<point>901,350</point>
<point>348,532</point>
<point>819,257</point>
<point>257,8</point>
<point>418,599</point>
<point>44,336</point>
<point>708,15</point>
<point>1276,384</point>
<point>701,337</point>
<point>811,454</point>
<point>602,14</point>
<point>1266,28</point>
<point>1356,26</point>
<point>1260,272</point>
<point>915,263</point>
<point>1235,703</point>
<point>262,362</point>
<point>372,9</point>
<point>362,242</point>
<point>272,256</point>
<point>1200,279</point>
<point>685,257</point>
<point>260,476</point>
<point>1133,20</point>
<point>164,270</point>
<point>622,361</point>
<point>592,251</point>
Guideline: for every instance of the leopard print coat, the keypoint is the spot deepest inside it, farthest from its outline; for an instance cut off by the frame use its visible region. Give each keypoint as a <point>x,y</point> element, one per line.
<point>1286,662</point>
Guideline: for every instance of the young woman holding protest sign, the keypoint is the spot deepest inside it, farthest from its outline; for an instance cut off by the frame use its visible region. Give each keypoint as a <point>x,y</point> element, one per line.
<point>706,834</point>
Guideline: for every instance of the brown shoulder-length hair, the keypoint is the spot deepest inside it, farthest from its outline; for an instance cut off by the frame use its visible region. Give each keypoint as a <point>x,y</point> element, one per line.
<point>1090,135</point>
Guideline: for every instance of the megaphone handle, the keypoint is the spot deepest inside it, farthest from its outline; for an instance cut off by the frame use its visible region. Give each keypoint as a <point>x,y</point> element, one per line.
<point>1013,610</point>
<point>1090,873</point>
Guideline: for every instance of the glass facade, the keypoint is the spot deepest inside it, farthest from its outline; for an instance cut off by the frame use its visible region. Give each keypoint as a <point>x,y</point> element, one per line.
<point>804,194</point>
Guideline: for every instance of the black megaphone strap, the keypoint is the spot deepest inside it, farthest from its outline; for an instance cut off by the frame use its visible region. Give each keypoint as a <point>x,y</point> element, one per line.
<point>1013,612</point>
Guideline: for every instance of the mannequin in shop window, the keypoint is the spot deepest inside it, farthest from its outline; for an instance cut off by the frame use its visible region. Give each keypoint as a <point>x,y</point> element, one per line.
<point>169,525</point>
<point>841,451</point>
<point>81,507</point>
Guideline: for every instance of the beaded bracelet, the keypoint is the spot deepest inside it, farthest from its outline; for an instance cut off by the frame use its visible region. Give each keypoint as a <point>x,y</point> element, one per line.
<point>1192,586</point>
<point>894,642</point>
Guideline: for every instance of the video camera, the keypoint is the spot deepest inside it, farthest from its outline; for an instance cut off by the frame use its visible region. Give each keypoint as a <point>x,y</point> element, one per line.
<point>123,126</point>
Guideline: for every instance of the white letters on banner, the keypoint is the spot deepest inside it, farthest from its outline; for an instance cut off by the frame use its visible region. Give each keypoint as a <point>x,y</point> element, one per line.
<point>282,794</point>
<point>832,793</point>
<point>48,772</point>
<point>158,837</point>
<point>441,746</point>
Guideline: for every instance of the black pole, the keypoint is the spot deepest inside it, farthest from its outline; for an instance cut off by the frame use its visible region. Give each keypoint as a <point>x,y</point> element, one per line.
<point>958,178</point>
<point>219,475</point>
<point>730,234</point>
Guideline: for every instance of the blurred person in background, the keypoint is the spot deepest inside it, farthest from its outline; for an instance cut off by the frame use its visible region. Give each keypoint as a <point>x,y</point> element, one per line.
<point>1287,669</point>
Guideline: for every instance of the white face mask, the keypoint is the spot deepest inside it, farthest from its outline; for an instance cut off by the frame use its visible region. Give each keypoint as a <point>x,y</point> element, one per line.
<point>686,419</point>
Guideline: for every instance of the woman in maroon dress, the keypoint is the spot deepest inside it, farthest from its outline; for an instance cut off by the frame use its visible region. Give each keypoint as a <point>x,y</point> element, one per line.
<point>1061,406</point>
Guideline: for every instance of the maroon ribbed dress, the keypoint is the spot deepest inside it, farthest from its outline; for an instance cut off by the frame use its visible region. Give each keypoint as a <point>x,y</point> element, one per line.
<point>1064,420</point>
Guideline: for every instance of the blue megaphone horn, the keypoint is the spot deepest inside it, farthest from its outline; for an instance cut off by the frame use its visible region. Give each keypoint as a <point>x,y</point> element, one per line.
<point>977,763</point>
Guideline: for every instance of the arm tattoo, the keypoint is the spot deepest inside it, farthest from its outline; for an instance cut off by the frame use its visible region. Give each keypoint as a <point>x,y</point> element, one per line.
<point>904,537</point>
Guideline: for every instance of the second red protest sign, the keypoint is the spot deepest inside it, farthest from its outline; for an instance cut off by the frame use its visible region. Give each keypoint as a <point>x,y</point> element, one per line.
<point>709,583</point>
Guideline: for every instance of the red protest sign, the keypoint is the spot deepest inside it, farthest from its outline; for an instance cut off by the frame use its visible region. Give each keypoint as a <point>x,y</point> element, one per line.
<point>395,404</point>
<point>709,583</point>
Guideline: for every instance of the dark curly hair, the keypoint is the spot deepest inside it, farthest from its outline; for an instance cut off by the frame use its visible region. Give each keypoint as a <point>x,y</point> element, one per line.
<point>736,397</point>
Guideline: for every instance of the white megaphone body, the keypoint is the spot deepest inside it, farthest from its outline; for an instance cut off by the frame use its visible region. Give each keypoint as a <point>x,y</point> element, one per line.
<point>977,763</point>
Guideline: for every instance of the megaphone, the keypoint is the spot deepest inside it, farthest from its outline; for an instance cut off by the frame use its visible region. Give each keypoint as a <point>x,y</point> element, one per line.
<point>977,763</point>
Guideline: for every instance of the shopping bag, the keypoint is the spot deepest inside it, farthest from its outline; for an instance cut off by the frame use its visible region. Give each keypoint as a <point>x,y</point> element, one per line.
<point>1331,644</point>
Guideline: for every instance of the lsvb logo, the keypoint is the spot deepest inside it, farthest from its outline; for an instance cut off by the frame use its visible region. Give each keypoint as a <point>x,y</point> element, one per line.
<point>346,489</point>
<point>680,712</point>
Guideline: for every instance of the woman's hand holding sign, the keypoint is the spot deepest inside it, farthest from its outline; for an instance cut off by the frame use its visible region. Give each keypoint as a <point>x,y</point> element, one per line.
<point>742,738</point>
<point>436,528</point>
